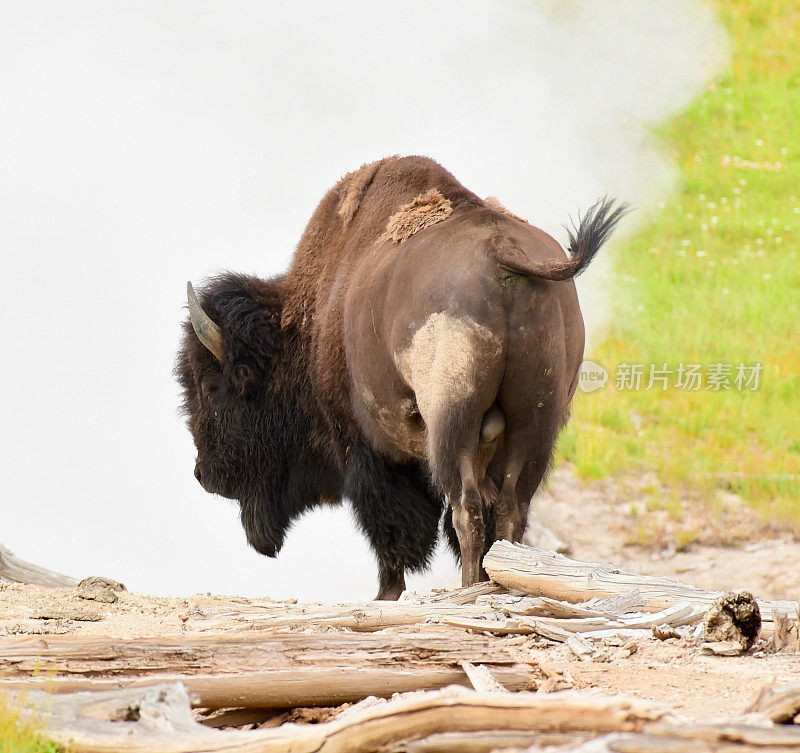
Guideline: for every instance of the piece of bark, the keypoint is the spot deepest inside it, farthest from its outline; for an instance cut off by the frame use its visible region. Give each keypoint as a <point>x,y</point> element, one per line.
<point>158,718</point>
<point>541,573</point>
<point>481,678</point>
<point>15,570</point>
<point>227,718</point>
<point>724,648</point>
<point>779,704</point>
<point>665,632</point>
<point>260,669</point>
<point>464,595</point>
<point>780,634</point>
<point>581,647</point>
<point>68,612</point>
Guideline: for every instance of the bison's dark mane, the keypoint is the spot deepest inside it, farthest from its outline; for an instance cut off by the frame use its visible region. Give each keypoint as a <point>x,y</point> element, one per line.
<point>281,453</point>
<point>265,410</point>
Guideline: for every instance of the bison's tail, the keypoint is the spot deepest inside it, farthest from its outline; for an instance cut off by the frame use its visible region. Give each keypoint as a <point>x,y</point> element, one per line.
<point>447,450</point>
<point>585,241</point>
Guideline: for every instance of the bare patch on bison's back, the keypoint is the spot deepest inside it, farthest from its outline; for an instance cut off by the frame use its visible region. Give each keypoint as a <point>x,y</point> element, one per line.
<point>353,186</point>
<point>442,362</point>
<point>494,203</point>
<point>425,210</point>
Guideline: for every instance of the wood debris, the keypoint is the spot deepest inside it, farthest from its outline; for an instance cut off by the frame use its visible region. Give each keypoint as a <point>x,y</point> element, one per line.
<point>542,573</point>
<point>15,570</point>
<point>446,671</point>
<point>733,618</point>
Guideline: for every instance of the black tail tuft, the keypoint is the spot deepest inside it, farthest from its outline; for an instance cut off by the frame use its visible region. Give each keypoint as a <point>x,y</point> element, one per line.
<point>585,241</point>
<point>592,231</point>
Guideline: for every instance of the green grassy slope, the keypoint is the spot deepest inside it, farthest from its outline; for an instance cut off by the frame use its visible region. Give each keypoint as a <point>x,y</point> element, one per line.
<point>715,279</point>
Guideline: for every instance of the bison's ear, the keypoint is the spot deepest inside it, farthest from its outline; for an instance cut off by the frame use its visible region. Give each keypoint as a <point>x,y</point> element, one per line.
<point>244,379</point>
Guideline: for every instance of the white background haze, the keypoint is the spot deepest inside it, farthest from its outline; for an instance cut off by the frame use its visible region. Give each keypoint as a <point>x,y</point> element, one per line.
<point>146,143</point>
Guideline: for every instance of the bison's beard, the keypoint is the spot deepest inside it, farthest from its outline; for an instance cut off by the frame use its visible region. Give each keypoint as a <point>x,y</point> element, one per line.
<point>264,525</point>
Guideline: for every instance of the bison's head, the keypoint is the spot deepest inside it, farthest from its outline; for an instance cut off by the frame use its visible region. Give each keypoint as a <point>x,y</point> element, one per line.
<point>229,369</point>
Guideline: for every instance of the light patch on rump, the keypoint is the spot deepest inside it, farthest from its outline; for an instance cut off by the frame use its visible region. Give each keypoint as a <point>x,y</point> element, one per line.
<point>425,210</point>
<point>444,360</point>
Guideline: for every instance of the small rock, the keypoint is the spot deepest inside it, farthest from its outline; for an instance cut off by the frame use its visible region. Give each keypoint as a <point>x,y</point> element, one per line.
<point>100,581</point>
<point>97,588</point>
<point>104,595</point>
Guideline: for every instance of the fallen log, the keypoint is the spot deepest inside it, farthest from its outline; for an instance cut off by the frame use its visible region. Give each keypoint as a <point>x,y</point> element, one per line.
<point>542,573</point>
<point>367,616</point>
<point>696,738</point>
<point>264,669</point>
<point>494,741</point>
<point>15,570</point>
<point>500,615</point>
<point>158,718</point>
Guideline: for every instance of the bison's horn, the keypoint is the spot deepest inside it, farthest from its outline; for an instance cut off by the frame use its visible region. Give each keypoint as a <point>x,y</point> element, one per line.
<point>207,332</point>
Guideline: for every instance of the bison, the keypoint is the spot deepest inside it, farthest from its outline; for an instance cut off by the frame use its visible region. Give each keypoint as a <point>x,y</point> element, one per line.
<point>419,355</point>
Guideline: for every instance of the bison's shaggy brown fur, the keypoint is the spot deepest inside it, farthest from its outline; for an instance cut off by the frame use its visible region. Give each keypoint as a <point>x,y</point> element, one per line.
<point>423,344</point>
<point>425,210</point>
<point>494,203</point>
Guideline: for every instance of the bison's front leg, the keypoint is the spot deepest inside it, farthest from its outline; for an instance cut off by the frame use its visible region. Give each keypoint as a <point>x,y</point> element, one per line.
<point>397,510</point>
<point>392,582</point>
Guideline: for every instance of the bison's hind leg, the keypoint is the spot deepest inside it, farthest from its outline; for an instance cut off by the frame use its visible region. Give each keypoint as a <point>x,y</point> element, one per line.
<point>472,517</point>
<point>460,453</point>
<point>398,510</point>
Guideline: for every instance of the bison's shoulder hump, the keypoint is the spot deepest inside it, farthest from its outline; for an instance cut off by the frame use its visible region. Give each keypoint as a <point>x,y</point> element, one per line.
<point>353,186</point>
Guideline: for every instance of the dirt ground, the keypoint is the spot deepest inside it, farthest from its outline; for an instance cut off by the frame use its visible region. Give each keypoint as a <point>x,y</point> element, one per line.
<point>598,521</point>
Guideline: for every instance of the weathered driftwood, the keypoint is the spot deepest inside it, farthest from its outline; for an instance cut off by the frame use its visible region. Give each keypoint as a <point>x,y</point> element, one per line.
<point>496,741</point>
<point>779,704</point>
<point>465,595</point>
<point>499,614</point>
<point>542,573</point>
<point>15,570</point>
<point>158,718</point>
<point>261,669</point>
<point>367,616</point>
<point>692,738</point>
<point>611,613</point>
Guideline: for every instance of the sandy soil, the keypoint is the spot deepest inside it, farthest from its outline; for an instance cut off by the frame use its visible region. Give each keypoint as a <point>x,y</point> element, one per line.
<point>599,521</point>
